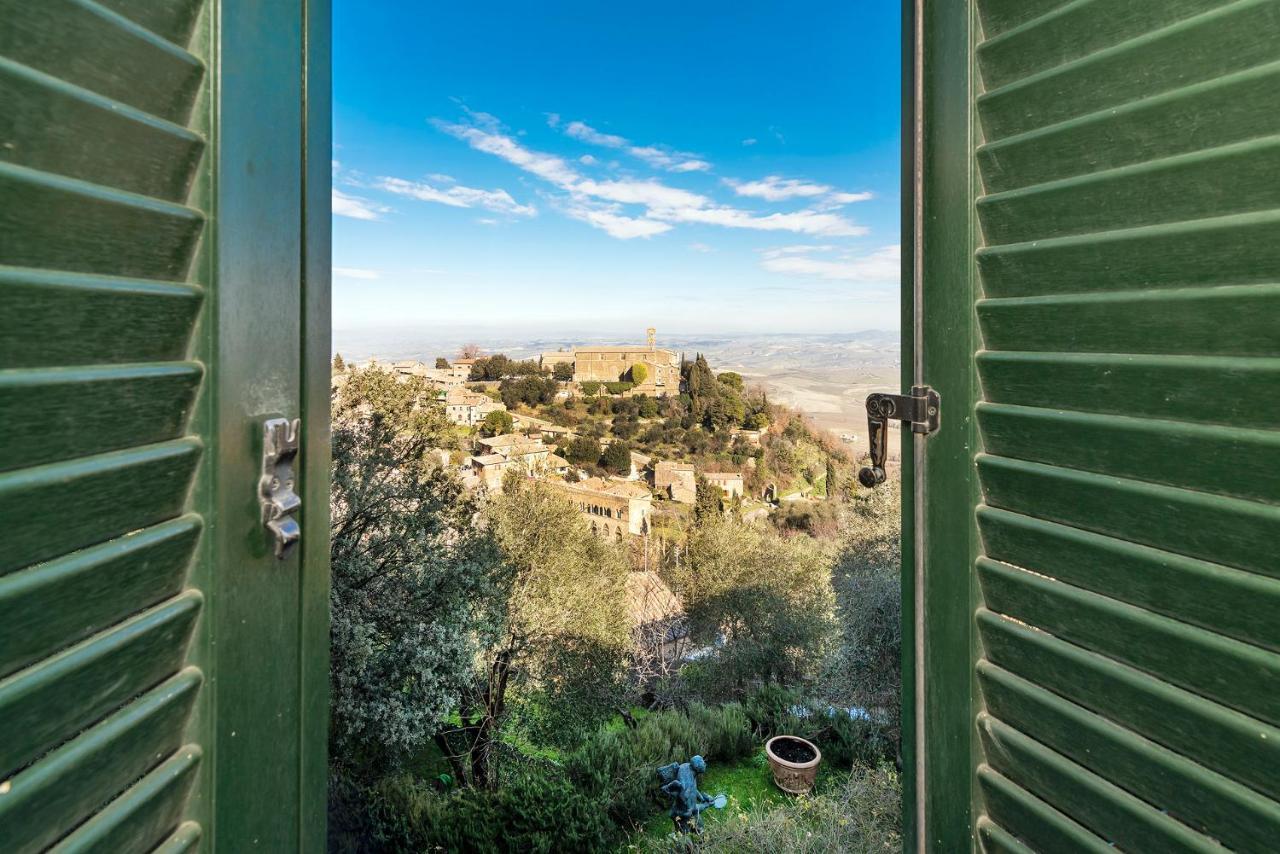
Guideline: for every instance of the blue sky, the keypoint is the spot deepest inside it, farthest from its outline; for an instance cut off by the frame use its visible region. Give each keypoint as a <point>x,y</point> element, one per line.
<point>562,167</point>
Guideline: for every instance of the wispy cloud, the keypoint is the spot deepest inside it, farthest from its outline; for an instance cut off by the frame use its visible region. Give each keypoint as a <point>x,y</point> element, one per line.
<point>355,273</point>
<point>601,203</point>
<point>816,223</point>
<point>659,157</point>
<point>355,207</point>
<point>883,265</point>
<point>458,196</point>
<point>545,166</point>
<point>701,247</point>
<point>671,161</point>
<point>590,135</point>
<point>608,219</point>
<point>750,141</point>
<point>773,188</point>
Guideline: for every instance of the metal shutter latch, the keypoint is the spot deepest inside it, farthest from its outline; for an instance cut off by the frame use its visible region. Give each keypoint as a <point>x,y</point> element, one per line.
<point>922,409</point>
<point>275,488</point>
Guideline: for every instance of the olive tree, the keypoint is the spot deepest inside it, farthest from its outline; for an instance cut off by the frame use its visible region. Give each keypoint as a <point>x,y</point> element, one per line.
<point>411,577</point>
<point>563,630</point>
<point>763,604</point>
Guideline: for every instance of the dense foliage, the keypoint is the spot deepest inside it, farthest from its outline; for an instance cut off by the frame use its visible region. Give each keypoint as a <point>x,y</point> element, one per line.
<point>616,458</point>
<point>480,646</point>
<point>762,603</point>
<point>500,367</point>
<point>530,390</point>
<point>865,669</point>
<point>496,423</point>
<point>410,576</point>
<point>560,652</point>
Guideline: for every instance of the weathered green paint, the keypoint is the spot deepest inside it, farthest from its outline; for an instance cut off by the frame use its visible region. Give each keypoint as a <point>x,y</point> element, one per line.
<point>1118,302</point>
<point>163,247</point>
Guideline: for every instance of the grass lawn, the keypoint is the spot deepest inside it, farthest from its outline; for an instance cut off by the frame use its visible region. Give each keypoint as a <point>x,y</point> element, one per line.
<point>747,783</point>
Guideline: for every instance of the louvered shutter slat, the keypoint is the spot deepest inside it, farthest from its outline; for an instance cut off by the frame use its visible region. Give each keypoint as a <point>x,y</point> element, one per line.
<point>1128,574</point>
<point>99,300</point>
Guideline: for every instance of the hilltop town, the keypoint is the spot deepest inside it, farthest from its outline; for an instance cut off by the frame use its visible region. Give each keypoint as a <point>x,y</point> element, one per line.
<point>634,436</point>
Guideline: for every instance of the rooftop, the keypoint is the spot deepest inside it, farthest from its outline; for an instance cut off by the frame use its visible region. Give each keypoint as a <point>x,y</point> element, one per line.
<point>616,488</point>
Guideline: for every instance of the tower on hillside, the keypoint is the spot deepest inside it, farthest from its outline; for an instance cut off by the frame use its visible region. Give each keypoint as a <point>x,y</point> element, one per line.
<point>653,337</point>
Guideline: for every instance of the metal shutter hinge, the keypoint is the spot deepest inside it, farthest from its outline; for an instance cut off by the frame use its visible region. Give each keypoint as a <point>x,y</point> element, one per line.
<point>922,409</point>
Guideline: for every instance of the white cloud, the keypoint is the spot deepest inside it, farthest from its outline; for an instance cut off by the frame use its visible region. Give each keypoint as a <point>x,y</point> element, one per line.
<point>701,247</point>
<point>750,141</point>
<point>545,166</point>
<point>458,196</point>
<point>590,135</point>
<point>588,160</point>
<point>797,249</point>
<point>671,161</point>
<point>354,273</point>
<point>599,203</point>
<point>800,222</point>
<point>655,156</point>
<point>848,198</point>
<point>651,194</point>
<point>773,188</point>
<point>355,207</point>
<point>882,265</point>
<point>607,219</point>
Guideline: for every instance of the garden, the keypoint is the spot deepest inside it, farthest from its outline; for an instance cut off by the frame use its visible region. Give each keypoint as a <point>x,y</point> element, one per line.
<point>491,694</point>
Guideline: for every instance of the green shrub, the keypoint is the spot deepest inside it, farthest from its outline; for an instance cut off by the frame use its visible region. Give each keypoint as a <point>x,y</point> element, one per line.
<point>535,810</point>
<point>619,767</point>
<point>589,388</point>
<point>619,387</point>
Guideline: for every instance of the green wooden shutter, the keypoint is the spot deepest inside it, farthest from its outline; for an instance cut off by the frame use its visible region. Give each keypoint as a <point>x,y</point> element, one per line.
<point>146,236</point>
<point>97,312</point>
<point>1125,178</point>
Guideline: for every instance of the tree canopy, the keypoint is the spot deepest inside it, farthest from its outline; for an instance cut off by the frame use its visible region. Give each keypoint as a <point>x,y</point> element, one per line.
<point>497,423</point>
<point>767,599</point>
<point>617,458</point>
<point>410,576</point>
<point>564,631</point>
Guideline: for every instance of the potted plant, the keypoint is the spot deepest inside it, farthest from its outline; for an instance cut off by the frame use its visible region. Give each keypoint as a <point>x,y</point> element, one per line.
<point>794,762</point>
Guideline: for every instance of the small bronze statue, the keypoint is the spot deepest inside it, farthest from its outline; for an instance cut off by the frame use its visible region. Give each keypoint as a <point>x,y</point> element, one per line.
<point>680,781</point>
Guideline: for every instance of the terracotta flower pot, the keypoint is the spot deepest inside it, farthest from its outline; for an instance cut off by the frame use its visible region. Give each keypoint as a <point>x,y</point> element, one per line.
<point>794,762</point>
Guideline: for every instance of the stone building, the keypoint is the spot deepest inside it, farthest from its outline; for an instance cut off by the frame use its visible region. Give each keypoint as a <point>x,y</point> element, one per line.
<point>501,454</point>
<point>614,364</point>
<point>613,508</point>
<point>468,408</point>
<point>677,480</point>
<point>730,482</point>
